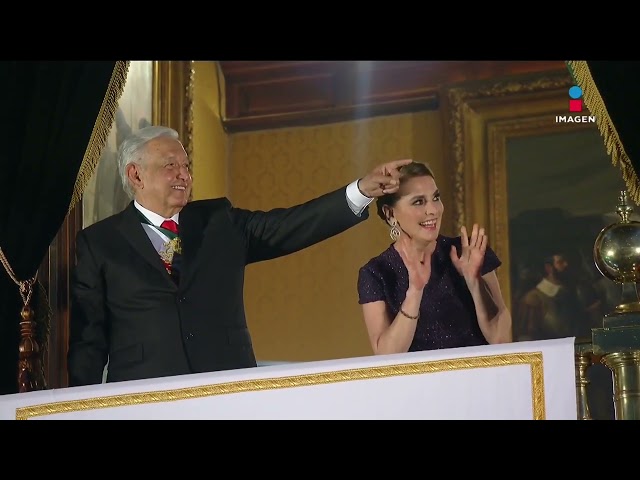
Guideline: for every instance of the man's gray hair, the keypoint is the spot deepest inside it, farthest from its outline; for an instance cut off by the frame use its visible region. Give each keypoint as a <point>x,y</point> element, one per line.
<point>131,150</point>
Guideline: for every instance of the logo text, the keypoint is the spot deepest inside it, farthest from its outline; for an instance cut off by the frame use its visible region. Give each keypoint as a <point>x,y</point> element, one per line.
<point>575,119</point>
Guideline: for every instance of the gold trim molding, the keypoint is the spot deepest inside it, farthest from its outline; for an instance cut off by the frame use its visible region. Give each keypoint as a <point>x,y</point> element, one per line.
<point>533,359</point>
<point>173,98</point>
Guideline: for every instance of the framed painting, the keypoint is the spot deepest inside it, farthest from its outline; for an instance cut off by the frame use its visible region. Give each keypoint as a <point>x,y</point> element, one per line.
<point>510,157</point>
<point>157,92</point>
<point>543,189</point>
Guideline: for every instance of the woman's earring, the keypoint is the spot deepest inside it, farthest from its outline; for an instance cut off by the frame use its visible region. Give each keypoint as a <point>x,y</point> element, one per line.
<point>394,233</point>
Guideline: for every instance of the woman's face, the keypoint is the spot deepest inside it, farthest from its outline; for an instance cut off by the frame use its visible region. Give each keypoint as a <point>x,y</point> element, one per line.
<point>419,209</point>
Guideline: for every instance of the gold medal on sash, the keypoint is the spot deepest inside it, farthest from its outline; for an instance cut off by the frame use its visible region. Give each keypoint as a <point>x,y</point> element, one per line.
<point>171,247</point>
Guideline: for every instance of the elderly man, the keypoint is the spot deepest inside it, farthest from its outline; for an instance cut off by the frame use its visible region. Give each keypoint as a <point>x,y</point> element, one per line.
<point>158,288</point>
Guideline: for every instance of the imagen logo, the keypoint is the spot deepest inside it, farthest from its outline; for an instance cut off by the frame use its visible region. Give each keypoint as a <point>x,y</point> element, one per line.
<point>575,106</point>
<point>575,99</point>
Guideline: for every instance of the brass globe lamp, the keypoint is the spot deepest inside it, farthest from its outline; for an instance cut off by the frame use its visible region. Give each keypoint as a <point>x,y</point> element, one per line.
<point>616,253</point>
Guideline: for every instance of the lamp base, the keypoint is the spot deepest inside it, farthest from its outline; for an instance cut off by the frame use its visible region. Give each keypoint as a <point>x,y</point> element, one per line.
<point>628,318</point>
<point>625,367</point>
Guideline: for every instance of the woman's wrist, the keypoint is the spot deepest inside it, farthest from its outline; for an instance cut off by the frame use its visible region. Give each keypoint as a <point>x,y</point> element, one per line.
<point>414,292</point>
<point>472,283</point>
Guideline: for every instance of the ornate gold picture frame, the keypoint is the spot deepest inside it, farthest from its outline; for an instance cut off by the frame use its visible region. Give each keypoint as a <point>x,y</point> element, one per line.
<point>482,121</point>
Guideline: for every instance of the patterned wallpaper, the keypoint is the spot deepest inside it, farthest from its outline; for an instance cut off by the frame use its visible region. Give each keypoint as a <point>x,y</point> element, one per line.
<point>304,307</point>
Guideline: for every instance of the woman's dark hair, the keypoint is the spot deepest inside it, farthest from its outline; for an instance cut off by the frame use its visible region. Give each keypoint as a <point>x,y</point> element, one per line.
<point>407,172</point>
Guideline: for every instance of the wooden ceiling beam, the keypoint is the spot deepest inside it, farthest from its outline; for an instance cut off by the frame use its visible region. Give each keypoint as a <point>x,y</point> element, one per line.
<point>274,94</point>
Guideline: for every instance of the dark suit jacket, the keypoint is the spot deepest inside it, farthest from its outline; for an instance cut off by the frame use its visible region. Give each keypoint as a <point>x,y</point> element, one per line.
<point>126,307</point>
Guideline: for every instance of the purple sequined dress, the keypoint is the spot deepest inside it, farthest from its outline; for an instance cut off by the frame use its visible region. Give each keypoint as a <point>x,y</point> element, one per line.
<point>447,313</point>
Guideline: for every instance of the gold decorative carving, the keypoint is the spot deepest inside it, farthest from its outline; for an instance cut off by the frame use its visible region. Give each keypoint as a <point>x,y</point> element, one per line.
<point>173,98</point>
<point>188,109</point>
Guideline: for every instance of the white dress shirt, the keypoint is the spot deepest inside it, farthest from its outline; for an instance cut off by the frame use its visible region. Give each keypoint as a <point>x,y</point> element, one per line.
<point>356,200</point>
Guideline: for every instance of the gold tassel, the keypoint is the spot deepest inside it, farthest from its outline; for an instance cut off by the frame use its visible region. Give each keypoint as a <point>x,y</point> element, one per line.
<point>30,365</point>
<point>101,129</point>
<point>593,101</point>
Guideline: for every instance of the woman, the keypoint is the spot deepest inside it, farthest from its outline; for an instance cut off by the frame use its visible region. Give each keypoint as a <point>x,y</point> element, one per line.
<point>428,291</point>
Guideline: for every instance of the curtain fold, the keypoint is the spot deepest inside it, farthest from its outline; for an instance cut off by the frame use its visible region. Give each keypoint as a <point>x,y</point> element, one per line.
<point>608,90</point>
<point>56,117</point>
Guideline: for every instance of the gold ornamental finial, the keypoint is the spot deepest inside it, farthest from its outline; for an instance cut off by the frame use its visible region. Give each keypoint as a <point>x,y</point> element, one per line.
<point>623,208</point>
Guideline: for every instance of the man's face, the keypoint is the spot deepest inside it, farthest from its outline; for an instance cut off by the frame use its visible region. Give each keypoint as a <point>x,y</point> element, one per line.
<point>164,178</point>
<point>561,268</point>
<point>560,264</point>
